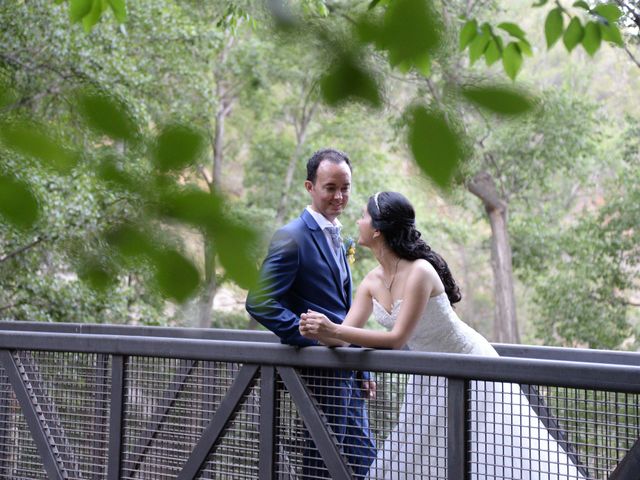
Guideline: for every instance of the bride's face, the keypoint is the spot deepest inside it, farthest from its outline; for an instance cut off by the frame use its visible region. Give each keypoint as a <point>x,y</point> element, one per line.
<point>366,232</point>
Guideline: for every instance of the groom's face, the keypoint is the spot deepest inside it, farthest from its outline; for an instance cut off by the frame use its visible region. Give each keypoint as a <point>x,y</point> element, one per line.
<point>330,192</point>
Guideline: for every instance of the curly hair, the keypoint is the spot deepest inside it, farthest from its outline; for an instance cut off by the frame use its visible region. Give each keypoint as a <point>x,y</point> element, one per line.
<point>394,216</point>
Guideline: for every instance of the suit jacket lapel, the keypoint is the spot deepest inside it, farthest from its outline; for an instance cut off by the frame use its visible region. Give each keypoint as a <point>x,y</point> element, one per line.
<point>325,250</point>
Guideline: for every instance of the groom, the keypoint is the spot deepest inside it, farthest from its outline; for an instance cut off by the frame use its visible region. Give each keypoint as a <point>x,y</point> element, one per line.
<point>306,268</point>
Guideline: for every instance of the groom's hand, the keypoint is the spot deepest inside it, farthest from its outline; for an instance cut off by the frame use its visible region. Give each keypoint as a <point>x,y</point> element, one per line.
<point>370,388</point>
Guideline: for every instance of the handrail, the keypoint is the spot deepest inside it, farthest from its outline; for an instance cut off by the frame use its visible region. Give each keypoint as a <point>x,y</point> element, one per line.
<point>508,350</point>
<point>621,378</point>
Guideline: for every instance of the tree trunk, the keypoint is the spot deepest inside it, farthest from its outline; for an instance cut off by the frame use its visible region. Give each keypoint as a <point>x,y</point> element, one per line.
<point>468,310</point>
<point>214,181</point>
<point>301,137</point>
<point>505,322</point>
<point>205,302</point>
<point>291,168</point>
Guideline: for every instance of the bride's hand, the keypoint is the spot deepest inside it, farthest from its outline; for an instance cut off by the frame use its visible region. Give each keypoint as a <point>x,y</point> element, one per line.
<point>315,325</point>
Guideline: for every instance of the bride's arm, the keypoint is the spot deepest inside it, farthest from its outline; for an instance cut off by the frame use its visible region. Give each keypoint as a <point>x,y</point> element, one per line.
<point>356,317</point>
<point>419,283</point>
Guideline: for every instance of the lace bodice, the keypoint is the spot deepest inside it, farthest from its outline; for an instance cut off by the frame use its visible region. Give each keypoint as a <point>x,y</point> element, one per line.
<point>438,330</point>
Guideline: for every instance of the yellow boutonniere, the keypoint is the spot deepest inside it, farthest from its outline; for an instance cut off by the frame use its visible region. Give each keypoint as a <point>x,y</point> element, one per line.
<point>351,250</point>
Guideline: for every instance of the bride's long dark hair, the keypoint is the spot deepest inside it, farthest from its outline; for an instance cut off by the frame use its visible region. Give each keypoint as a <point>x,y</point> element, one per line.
<point>394,216</point>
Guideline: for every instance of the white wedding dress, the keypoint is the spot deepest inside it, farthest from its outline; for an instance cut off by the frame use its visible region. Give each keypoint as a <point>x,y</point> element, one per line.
<point>508,440</point>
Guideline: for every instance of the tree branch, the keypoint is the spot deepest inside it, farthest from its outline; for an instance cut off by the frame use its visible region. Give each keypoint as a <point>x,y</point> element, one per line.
<point>23,249</point>
<point>631,56</point>
<point>483,186</point>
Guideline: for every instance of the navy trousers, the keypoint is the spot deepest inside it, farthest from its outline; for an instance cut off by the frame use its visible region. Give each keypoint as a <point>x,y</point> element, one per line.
<point>341,400</point>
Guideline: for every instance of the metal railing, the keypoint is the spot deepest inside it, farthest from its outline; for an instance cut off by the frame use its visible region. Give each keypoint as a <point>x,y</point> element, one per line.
<point>117,402</point>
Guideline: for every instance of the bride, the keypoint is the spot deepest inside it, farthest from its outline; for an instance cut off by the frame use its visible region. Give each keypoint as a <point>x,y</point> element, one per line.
<point>411,293</point>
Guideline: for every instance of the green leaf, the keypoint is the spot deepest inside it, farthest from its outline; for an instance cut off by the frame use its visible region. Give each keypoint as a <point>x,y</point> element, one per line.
<point>176,147</point>
<point>583,5</point>
<point>193,207</point>
<point>513,30</point>
<point>592,38</point>
<point>573,34</point>
<point>493,53</point>
<point>176,277</point>
<point>512,60</point>
<point>119,10</point>
<point>108,116</point>
<point>611,33</point>
<point>410,31</point>
<point>130,242</point>
<point>553,26</point>
<point>18,206</point>
<point>346,80</point>
<point>435,146</point>
<point>93,272</point>
<point>32,140</point>
<point>500,100</point>
<point>525,47</point>
<point>540,3</point>
<point>7,95</point>
<point>373,4</point>
<point>93,17</point>
<point>78,9</point>
<point>609,11</point>
<point>108,171</point>
<point>234,243</point>
<point>468,33</point>
<point>404,67</point>
<point>478,46</point>
<point>424,67</point>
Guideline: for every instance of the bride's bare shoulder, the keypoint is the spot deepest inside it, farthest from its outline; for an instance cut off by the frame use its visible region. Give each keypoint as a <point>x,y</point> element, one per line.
<point>422,270</point>
<point>373,276</point>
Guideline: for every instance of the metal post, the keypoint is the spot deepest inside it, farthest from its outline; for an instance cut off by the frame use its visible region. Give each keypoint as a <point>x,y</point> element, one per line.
<point>268,394</point>
<point>458,429</point>
<point>116,417</point>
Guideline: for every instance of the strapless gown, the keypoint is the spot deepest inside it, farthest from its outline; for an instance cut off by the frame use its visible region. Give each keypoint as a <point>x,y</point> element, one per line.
<point>508,440</point>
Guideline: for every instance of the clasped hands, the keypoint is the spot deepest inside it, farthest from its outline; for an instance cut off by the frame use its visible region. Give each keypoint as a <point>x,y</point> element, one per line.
<point>316,326</point>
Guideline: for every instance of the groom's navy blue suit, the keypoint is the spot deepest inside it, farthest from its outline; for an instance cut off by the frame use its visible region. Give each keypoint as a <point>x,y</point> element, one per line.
<point>298,274</point>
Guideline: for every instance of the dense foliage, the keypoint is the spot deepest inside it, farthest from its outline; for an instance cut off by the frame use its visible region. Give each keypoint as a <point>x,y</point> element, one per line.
<point>147,150</point>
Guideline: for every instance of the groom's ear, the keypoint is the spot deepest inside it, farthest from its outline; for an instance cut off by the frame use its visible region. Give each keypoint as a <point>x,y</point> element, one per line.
<point>308,185</point>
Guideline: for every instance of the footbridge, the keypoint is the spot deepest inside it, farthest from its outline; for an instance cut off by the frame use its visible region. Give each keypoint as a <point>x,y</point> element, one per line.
<point>80,401</point>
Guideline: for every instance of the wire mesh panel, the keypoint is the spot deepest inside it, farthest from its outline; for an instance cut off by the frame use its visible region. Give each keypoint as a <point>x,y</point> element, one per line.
<point>70,394</point>
<point>168,403</point>
<point>548,432</point>
<point>19,456</point>
<point>296,452</point>
<point>598,427</point>
<point>236,454</point>
<point>410,420</point>
<point>73,390</point>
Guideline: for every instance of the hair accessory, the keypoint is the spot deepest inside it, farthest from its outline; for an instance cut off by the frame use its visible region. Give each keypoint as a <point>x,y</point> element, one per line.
<point>375,199</point>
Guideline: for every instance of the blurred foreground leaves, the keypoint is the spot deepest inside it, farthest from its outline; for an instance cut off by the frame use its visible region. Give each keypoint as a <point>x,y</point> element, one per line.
<point>164,199</point>
<point>411,34</point>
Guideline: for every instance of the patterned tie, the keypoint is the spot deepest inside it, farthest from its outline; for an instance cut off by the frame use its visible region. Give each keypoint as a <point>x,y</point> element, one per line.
<point>334,233</point>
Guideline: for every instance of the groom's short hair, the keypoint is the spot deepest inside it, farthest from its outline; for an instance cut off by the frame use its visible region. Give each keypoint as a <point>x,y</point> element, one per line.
<point>330,154</point>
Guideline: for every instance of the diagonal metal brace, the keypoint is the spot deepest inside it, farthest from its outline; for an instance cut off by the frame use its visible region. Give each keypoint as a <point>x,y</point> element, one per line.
<point>159,416</point>
<point>219,422</point>
<point>313,419</point>
<point>629,466</point>
<point>40,431</point>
